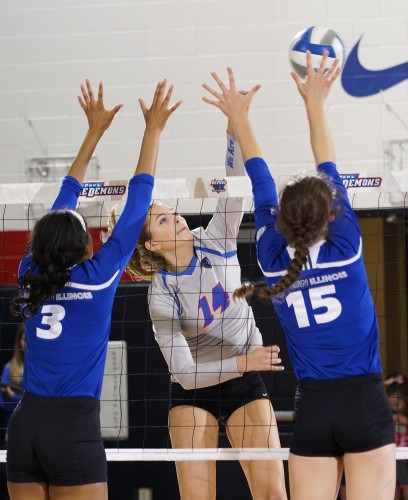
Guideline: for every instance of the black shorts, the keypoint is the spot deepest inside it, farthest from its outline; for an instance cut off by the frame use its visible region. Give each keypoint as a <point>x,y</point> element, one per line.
<point>57,441</point>
<point>402,474</point>
<point>346,415</point>
<point>223,399</point>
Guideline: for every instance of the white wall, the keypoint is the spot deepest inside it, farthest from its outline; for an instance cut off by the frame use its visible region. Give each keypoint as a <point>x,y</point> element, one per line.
<point>47,47</point>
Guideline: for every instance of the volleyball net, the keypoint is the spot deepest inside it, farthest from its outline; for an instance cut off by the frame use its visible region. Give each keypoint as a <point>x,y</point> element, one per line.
<point>136,391</point>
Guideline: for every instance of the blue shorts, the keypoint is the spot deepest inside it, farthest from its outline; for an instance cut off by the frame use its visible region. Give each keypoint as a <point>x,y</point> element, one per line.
<point>346,415</point>
<point>223,399</point>
<point>56,441</point>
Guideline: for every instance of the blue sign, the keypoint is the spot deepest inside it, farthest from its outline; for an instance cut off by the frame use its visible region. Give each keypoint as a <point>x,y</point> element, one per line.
<point>359,81</point>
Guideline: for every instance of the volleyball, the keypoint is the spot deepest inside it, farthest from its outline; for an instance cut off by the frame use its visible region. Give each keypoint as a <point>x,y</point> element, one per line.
<point>316,39</point>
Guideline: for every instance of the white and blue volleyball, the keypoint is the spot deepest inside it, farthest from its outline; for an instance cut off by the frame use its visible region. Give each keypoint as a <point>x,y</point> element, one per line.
<point>316,39</point>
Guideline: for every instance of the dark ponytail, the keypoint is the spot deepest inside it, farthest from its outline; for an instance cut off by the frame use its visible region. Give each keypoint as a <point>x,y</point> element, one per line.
<point>305,207</point>
<point>58,242</point>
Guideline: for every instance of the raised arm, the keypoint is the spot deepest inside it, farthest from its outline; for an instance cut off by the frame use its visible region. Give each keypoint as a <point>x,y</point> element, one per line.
<point>156,118</point>
<point>235,106</point>
<point>127,227</point>
<point>99,120</point>
<point>224,225</point>
<point>314,92</point>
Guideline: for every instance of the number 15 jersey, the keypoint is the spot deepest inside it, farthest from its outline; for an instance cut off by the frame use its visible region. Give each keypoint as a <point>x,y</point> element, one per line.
<point>328,314</point>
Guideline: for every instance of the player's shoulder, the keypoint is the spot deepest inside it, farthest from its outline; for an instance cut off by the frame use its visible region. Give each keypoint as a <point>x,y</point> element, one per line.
<point>160,296</point>
<point>89,272</point>
<point>26,264</point>
<point>159,286</point>
<point>202,240</point>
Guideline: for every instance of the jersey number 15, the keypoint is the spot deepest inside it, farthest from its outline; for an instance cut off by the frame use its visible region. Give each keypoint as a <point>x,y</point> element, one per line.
<point>318,299</point>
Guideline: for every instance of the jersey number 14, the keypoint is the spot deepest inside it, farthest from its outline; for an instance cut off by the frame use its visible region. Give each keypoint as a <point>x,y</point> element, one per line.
<point>220,300</point>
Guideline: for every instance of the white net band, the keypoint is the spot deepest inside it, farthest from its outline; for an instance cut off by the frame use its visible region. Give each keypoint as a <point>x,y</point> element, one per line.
<point>200,454</point>
<point>390,192</point>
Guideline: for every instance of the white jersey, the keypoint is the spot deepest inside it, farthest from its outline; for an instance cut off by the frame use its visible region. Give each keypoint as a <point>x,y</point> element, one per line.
<point>198,325</point>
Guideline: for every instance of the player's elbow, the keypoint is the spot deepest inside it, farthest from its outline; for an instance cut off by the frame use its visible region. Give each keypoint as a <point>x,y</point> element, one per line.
<point>187,380</point>
<point>188,383</point>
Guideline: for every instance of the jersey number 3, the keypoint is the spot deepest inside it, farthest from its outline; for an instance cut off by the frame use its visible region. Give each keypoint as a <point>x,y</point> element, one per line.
<point>318,299</point>
<point>51,316</point>
<point>220,300</point>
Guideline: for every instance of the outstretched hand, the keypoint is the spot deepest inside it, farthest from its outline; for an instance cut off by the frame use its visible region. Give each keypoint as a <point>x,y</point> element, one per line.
<point>318,83</point>
<point>159,112</point>
<point>99,118</point>
<point>233,103</point>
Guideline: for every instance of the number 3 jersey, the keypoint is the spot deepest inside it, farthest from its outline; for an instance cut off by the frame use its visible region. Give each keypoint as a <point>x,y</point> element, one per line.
<point>67,340</point>
<point>198,325</point>
<point>328,314</point>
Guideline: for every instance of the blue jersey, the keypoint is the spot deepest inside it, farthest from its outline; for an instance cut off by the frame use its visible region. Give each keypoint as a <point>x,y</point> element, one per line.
<point>66,342</point>
<point>328,314</point>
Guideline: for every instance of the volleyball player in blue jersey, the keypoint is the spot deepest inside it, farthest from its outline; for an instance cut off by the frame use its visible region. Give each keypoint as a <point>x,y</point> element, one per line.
<point>310,250</point>
<point>55,447</point>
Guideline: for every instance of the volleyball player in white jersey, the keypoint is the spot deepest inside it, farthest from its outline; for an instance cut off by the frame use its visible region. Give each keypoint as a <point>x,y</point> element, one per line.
<point>55,449</point>
<point>210,341</point>
<point>309,248</point>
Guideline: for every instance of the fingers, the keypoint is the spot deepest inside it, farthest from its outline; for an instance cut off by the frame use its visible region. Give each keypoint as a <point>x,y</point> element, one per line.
<point>309,65</point>
<point>273,359</point>
<point>323,62</point>
<point>156,94</point>
<point>330,73</point>
<point>90,91</point>
<point>178,103</point>
<point>231,78</point>
<point>272,352</point>
<point>229,99</point>
<point>211,101</point>
<point>298,81</point>
<point>334,71</point>
<point>253,91</point>
<point>213,92</point>
<point>81,102</point>
<point>116,109</point>
<point>143,106</point>
<point>85,94</point>
<point>157,114</point>
<point>100,93</point>
<point>219,82</point>
<point>168,95</point>
<point>161,89</point>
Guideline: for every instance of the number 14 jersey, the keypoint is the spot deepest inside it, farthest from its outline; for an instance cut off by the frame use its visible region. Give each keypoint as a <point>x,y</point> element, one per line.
<point>198,325</point>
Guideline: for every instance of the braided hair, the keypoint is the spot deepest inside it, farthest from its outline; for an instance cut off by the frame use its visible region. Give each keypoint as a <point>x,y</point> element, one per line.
<point>305,207</point>
<point>58,242</point>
